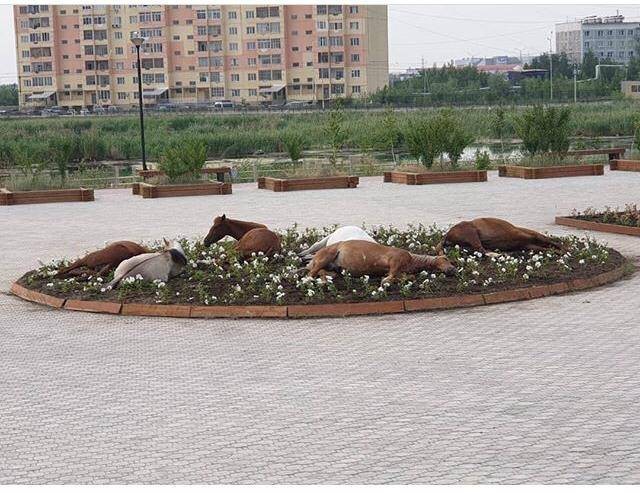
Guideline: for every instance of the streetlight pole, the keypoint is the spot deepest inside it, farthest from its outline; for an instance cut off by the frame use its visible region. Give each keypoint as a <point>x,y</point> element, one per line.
<point>551,67</point>
<point>575,84</point>
<point>137,41</point>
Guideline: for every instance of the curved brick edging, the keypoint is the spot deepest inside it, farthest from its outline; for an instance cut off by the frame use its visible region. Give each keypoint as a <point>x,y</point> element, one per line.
<point>595,226</point>
<point>324,310</point>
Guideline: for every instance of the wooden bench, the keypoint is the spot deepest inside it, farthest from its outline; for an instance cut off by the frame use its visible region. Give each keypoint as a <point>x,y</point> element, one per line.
<point>612,152</point>
<point>220,173</point>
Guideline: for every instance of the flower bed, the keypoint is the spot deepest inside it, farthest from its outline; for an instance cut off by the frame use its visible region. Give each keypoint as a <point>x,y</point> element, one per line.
<point>626,221</point>
<point>148,191</point>
<point>535,173</point>
<point>295,184</point>
<point>624,165</point>
<point>220,172</point>
<point>216,283</point>
<point>8,197</point>
<point>432,177</point>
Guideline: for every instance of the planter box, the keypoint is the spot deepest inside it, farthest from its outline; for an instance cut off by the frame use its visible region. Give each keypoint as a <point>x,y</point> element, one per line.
<point>531,173</point>
<point>45,196</point>
<point>624,165</point>
<point>594,226</point>
<point>208,188</point>
<point>293,184</point>
<point>433,177</point>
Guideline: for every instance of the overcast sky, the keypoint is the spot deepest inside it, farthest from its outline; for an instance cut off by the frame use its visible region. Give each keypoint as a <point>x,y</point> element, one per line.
<point>439,33</point>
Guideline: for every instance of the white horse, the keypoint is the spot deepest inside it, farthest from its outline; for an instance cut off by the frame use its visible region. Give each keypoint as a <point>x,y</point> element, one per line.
<point>160,266</point>
<point>345,233</point>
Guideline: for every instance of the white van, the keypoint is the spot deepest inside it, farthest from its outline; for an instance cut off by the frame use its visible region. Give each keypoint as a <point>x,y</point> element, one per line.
<point>222,105</point>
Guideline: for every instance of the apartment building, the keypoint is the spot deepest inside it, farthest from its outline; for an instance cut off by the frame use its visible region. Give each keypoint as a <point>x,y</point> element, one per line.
<point>79,56</point>
<point>607,37</point>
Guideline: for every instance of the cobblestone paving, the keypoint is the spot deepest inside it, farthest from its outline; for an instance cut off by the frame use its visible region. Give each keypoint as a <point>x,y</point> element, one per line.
<point>544,391</point>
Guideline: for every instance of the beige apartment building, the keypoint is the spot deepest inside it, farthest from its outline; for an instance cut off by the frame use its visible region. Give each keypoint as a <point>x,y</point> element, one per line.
<point>81,56</point>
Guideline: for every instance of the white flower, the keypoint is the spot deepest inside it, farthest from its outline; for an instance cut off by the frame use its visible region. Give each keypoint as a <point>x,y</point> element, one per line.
<point>538,265</point>
<point>50,285</point>
<point>581,261</point>
<point>525,276</point>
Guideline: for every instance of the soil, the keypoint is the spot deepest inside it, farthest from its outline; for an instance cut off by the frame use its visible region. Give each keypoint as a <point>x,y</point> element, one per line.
<point>184,290</point>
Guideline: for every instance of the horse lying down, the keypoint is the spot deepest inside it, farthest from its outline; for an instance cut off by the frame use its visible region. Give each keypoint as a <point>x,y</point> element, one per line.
<point>102,260</point>
<point>345,233</point>
<point>160,266</point>
<point>252,237</point>
<point>361,257</point>
<point>486,234</point>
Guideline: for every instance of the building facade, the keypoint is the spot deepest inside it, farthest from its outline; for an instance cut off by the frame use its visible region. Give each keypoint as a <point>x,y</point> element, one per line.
<point>607,37</point>
<point>79,56</point>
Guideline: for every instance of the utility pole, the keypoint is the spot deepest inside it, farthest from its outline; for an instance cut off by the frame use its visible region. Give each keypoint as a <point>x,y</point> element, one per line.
<point>424,78</point>
<point>550,66</point>
<point>575,84</point>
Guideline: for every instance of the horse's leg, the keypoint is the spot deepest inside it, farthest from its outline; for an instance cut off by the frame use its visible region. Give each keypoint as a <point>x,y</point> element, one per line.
<point>322,260</point>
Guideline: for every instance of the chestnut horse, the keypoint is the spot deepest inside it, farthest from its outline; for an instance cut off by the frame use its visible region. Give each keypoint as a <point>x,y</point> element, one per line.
<point>487,233</point>
<point>344,233</point>
<point>252,237</point>
<point>102,260</point>
<point>361,257</point>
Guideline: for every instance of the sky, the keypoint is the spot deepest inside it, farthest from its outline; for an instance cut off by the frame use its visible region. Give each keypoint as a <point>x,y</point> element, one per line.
<point>439,33</point>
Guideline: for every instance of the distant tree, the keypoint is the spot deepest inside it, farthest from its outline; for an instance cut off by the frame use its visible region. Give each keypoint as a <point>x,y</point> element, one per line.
<point>9,95</point>
<point>589,62</point>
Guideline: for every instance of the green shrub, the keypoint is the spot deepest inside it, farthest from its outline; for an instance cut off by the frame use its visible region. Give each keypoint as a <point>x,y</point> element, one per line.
<point>184,162</point>
<point>423,139</point>
<point>544,130</point>
<point>452,136</point>
<point>61,150</point>
<point>335,132</point>
<point>483,161</point>
<point>294,143</point>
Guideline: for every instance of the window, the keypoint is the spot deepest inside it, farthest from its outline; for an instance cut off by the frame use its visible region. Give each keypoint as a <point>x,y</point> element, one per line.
<point>117,35</point>
<point>354,25</point>
<point>355,89</point>
<point>235,77</point>
<point>119,80</point>
<point>251,45</point>
<point>252,62</point>
<point>355,73</point>
<point>251,30</point>
<point>353,9</point>
<point>233,46</point>
<point>233,30</point>
<point>355,57</point>
<point>252,76</point>
<point>321,25</point>
<point>233,14</point>
<point>355,41</point>
<point>253,92</point>
<point>235,93</point>
<point>249,14</point>
<point>122,95</point>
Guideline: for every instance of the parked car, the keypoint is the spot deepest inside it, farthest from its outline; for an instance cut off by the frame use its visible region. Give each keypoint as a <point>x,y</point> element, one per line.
<point>223,105</point>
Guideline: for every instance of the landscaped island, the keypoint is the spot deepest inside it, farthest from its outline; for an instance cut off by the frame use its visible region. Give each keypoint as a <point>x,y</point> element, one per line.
<point>216,277</point>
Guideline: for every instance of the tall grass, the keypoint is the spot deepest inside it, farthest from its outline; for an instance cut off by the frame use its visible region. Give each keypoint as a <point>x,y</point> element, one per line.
<point>239,135</point>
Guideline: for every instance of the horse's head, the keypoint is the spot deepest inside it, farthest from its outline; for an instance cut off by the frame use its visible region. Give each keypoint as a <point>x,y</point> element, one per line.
<point>443,264</point>
<point>219,230</point>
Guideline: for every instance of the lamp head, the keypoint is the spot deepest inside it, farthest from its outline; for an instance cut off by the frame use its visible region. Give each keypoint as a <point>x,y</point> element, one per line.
<point>137,39</point>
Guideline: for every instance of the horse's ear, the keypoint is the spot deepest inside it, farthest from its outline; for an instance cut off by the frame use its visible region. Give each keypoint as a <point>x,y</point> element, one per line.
<point>224,217</point>
<point>166,243</point>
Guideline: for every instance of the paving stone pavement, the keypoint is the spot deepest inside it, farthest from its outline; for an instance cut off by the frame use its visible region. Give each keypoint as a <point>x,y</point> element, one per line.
<point>544,391</point>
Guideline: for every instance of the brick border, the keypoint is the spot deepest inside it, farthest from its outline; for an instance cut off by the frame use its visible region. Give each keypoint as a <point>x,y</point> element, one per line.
<point>7,197</point>
<point>536,173</point>
<point>624,165</point>
<point>434,177</point>
<point>297,184</point>
<point>595,226</point>
<point>324,310</point>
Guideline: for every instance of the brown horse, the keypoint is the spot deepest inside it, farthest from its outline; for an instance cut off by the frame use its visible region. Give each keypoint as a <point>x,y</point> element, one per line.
<point>252,237</point>
<point>102,260</point>
<point>363,257</point>
<point>487,233</point>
